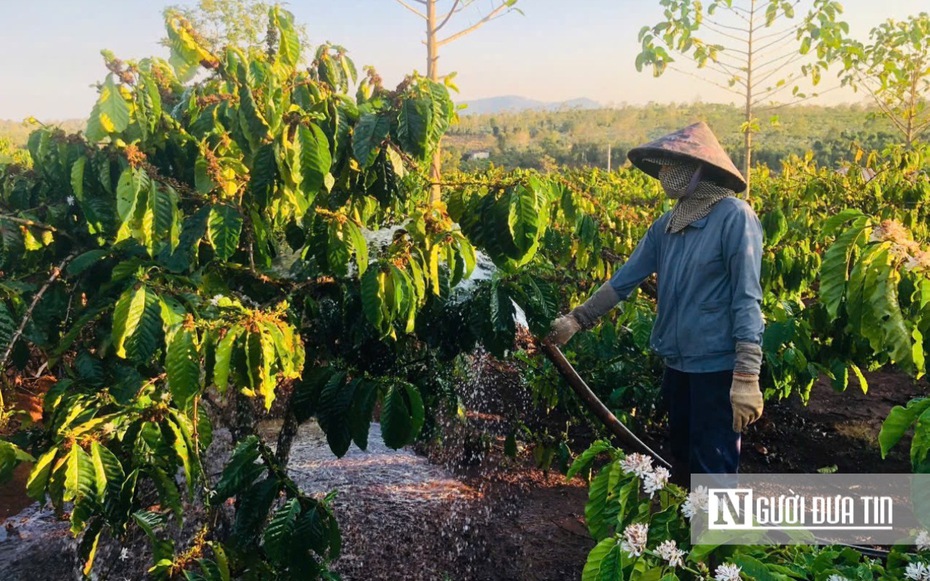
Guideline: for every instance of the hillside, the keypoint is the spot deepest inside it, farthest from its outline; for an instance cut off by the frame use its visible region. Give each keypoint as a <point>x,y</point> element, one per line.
<point>512,103</point>
<point>18,131</point>
<point>539,138</point>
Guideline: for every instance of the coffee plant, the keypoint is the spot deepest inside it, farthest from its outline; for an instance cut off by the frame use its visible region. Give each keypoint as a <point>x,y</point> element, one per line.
<point>242,233</point>
<point>202,255</point>
<point>642,527</point>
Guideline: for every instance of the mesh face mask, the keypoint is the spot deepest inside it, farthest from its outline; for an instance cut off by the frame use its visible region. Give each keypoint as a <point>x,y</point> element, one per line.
<point>676,178</point>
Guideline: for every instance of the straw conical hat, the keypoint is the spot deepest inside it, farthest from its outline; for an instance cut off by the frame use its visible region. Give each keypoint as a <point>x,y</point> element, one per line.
<point>695,142</point>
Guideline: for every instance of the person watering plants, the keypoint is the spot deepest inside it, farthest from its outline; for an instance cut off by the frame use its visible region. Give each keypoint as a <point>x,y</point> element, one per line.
<point>707,254</point>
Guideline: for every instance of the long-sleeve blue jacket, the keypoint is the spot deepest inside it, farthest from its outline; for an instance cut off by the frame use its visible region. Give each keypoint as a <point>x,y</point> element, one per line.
<point>709,290</point>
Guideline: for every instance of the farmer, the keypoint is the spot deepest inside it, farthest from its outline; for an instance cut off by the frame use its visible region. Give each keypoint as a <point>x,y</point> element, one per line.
<point>707,254</point>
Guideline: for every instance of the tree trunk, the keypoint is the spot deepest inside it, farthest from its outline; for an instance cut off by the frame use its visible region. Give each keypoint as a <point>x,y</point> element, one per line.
<point>747,136</point>
<point>432,72</point>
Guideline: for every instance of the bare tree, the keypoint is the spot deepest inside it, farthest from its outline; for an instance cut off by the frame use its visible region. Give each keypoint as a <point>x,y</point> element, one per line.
<point>756,49</point>
<point>436,22</point>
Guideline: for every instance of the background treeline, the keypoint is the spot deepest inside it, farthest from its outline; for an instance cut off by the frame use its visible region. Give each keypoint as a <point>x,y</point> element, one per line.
<point>579,138</point>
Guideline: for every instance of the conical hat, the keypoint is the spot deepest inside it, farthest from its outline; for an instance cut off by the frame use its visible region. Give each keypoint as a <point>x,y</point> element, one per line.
<point>695,142</point>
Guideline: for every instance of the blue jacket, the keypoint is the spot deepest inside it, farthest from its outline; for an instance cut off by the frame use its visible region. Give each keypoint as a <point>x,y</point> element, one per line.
<point>710,293</point>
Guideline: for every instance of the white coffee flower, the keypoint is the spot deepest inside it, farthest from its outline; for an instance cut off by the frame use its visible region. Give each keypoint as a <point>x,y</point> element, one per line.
<point>669,551</point>
<point>917,572</point>
<point>634,539</point>
<point>923,541</point>
<point>727,572</point>
<point>638,464</point>
<point>696,502</point>
<point>837,578</point>
<point>70,200</point>
<point>656,480</point>
<point>123,554</point>
<point>216,300</point>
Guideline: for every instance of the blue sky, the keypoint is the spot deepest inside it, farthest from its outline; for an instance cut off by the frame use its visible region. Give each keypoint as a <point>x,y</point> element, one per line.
<point>556,50</point>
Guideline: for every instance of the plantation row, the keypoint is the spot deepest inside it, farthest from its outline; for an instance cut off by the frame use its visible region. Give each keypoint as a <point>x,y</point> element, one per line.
<point>203,254</point>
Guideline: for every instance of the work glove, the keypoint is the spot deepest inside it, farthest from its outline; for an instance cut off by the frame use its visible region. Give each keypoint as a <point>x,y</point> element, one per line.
<point>563,329</point>
<point>583,316</point>
<point>745,395</point>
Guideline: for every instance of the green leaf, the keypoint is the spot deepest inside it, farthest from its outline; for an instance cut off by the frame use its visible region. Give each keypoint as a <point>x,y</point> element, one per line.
<point>899,421</point>
<point>604,562</point>
<point>335,399</point>
<point>182,364</point>
<point>240,472</point>
<point>414,126</point>
<point>110,114</point>
<point>84,261</point>
<point>254,505</point>
<point>161,223</point>
<point>280,530</point>
<point>920,445</point>
<point>364,398</point>
<point>108,473</point>
<point>359,245</point>
<point>80,480</point>
<point>38,478</point>
<point>251,120</point>
<point>127,316</point>
<point>337,249</point>
<point>373,301</point>
<point>583,461</point>
<point>523,218</point>
<point>263,175</point>
<point>77,177</point>
<point>756,569</point>
<point>288,41</point>
<point>834,271</point>
<point>10,457</point>
<point>223,358</point>
<point>181,445</point>
<point>402,415</point>
<point>8,326</point>
<point>87,549</point>
<point>147,334</point>
<point>223,230</point>
<point>315,159</point>
<point>370,131</point>
<point>596,507</point>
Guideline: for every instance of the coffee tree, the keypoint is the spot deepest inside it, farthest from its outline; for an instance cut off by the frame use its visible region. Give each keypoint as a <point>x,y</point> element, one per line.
<point>201,255</point>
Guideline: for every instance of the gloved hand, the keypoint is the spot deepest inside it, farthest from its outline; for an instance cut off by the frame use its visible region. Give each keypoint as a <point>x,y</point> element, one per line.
<point>583,316</point>
<point>746,399</point>
<point>563,329</point>
<point>745,395</point>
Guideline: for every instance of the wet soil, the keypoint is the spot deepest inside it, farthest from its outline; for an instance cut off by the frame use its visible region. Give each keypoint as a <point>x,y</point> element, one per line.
<point>836,431</point>
<point>458,508</point>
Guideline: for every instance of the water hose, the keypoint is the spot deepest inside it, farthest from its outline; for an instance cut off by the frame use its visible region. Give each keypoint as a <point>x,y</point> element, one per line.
<point>595,405</point>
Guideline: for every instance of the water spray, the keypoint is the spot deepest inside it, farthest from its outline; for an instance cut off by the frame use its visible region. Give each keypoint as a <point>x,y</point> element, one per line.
<point>595,405</point>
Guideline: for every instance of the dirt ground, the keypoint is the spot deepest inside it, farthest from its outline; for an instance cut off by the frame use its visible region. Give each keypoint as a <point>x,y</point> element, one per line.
<point>540,533</point>
<point>461,510</point>
<point>835,429</point>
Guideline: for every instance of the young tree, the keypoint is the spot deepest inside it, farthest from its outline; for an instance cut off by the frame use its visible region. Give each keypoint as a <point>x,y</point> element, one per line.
<point>436,22</point>
<point>757,49</point>
<point>895,71</point>
<point>242,23</point>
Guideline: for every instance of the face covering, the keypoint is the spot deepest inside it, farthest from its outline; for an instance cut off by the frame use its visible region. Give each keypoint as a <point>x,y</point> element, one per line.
<point>675,179</point>
<point>696,198</point>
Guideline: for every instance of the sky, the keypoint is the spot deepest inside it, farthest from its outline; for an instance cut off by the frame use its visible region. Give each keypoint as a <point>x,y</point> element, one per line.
<point>555,50</point>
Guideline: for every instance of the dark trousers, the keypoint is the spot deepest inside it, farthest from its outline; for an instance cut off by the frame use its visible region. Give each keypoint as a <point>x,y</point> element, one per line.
<point>700,419</point>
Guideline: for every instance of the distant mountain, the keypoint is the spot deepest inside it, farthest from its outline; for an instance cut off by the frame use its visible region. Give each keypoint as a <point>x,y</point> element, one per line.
<point>515,103</point>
